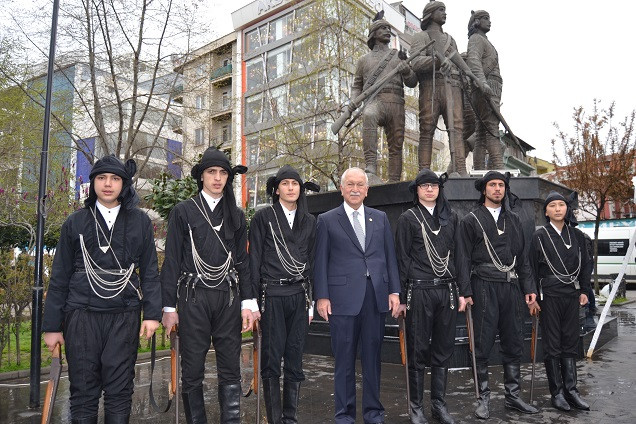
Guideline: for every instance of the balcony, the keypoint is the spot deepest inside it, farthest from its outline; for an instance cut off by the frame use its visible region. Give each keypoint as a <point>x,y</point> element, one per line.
<point>222,76</point>
<point>177,94</point>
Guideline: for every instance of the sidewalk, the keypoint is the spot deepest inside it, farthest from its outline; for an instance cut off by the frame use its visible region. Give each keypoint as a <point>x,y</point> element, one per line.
<point>607,382</point>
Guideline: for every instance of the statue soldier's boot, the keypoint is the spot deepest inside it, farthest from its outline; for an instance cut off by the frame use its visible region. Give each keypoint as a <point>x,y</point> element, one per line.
<point>271,394</point>
<point>370,149</point>
<point>291,391</point>
<point>230,403</point>
<point>395,167</point>
<point>555,382</point>
<point>416,392</point>
<point>572,395</point>
<point>116,418</point>
<point>89,420</point>
<point>194,406</point>
<point>512,374</point>
<point>439,377</point>
<point>483,403</point>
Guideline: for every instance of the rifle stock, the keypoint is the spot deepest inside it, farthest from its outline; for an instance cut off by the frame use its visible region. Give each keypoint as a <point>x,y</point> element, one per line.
<point>405,359</point>
<point>533,349</point>
<point>471,345</point>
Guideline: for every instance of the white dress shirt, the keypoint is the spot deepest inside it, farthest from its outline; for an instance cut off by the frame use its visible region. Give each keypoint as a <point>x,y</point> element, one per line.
<point>109,215</point>
<point>349,210</point>
<point>289,215</point>
<point>495,212</point>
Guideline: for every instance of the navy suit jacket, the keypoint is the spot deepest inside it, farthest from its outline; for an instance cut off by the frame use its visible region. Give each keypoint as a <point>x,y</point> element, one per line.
<point>340,272</point>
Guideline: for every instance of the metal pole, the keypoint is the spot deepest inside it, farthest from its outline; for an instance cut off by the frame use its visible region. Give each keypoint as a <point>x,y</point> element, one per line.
<point>36,314</point>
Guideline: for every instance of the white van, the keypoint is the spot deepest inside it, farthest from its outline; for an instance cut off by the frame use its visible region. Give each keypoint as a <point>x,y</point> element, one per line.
<point>612,248</point>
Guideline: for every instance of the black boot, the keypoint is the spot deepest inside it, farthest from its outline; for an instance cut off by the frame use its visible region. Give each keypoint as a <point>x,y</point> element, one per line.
<point>116,418</point>
<point>230,403</point>
<point>194,407</point>
<point>271,394</point>
<point>291,390</point>
<point>568,370</point>
<point>89,420</point>
<point>416,393</point>
<point>483,403</point>
<point>512,375</point>
<point>555,381</point>
<point>439,377</point>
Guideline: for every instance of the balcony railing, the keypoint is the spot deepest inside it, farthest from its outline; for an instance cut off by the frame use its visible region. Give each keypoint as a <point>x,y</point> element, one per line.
<point>220,72</point>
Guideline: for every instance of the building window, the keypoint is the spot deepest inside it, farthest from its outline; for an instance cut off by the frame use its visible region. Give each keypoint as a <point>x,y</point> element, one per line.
<point>226,133</point>
<point>278,61</point>
<point>303,18</point>
<point>200,70</point>
<point>254,71</point>
<point>253,109</point>
<point>200,102</point>
<point>199,136</point>
<point>225,98</point>
<point>281,27</point>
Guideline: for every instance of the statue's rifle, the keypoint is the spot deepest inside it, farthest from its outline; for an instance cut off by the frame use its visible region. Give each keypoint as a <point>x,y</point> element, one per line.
<point>404,357</point>
<point>370,91</point>
<point>51,388</point>
<point>457,60</point>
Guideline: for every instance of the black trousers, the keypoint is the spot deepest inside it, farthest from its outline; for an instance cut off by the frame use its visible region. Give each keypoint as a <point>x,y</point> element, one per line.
<point>560,326</point>
<point>284,324</point>
<point>430,328</point>
<point>497,307</point>
<point>202,315</point>
<point>101,351</point>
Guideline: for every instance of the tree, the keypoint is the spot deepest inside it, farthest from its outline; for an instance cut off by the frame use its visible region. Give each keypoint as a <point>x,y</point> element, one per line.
<point>597,161</point>
<point>115,61</point>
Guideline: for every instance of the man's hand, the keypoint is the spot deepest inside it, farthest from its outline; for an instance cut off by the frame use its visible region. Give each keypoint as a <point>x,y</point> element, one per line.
<point>52,339</point>
<point>583,299</point>
<point>324,308</point>
<point>248,320</point>
<point>257,315</point>
<point>534,308</point>
<point>485,88</point>
<point>463,301</point>
<point>402,309</point>
<point>445,67</point>
<point>149,326</point>
<point>404,68</point>
<point>394,305</point>
<point>530,299</point>
<point>169,320</point>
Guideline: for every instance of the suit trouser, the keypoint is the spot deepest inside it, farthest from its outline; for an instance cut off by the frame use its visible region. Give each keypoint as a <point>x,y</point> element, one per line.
<point>430,324</point>
<point>101,351</point>
<point>346,331</point>
<point>284,324</point>
<point>202,314</point>
<point>560,326</point>
<point>497,307</point>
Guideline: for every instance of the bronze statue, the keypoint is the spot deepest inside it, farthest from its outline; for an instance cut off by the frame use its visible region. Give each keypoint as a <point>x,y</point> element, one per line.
<point>483,61</point>
<point>438,72</point>
<point>386,108</point>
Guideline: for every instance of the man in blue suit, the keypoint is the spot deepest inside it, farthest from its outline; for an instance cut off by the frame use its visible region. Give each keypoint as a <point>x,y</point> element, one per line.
<point>356,282</point>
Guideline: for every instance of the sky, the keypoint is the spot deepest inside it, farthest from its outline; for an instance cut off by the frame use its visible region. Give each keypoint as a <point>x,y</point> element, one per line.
<point>554,56</point>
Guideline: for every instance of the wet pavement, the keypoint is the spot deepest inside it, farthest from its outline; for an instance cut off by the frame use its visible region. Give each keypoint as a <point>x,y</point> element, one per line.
<point>607,383</point>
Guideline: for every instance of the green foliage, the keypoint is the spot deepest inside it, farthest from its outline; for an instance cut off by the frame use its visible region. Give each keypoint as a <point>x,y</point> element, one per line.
<point>167,192</point>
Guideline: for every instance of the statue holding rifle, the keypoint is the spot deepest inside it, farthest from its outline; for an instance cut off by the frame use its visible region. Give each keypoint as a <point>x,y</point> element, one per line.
<point>384,108</point>
<point>440,87</point>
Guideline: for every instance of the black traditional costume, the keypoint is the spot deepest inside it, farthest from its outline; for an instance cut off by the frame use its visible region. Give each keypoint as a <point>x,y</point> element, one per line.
<point>494,271</point>
<point>95,296</point>
<point>205,275</point>
<point>562,270</point>
<point>425,247</point>
<point>281,261</point>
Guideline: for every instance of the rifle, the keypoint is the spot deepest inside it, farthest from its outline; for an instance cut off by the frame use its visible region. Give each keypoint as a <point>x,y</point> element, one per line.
<point>175,370</point>
<point>533,348</point>
<point>405,361</point>
<point>254,386</point>
<point>51,388</point>
<point>471,344</point>
<point>369,91</point>
<point>457,60</point>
